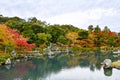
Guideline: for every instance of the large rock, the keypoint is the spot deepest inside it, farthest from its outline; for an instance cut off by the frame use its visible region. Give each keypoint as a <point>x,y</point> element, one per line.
<point>107,63</point>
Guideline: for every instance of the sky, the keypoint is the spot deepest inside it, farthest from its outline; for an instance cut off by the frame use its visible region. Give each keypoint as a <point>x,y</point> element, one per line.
<point>79,13</point>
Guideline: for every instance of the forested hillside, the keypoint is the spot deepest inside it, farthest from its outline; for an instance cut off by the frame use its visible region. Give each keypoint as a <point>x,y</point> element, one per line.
<point>16,33</point>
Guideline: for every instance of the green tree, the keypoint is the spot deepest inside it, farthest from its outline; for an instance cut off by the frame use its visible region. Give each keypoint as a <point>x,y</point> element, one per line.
<point>111,41</point>
<point>44,38</point>
<point>106,29</point>
<point>15,25</point>
<point>33,19</point>
<point>37,28</point>
<point>83,34</point>
<point>62,39</point>
<point>90,28</point>
<point>97,29</point>
<point>55,32</point>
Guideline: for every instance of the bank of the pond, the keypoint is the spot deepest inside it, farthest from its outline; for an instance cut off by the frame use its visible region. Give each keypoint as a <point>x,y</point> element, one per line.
<point>51,54</point>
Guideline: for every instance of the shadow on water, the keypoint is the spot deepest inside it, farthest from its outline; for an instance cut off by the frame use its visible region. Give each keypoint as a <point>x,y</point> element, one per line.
<point>40,69</point>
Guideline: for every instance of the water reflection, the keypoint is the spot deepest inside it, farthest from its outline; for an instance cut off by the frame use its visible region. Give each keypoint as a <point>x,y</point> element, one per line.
<point>39,69</point>
<point>108,72</point>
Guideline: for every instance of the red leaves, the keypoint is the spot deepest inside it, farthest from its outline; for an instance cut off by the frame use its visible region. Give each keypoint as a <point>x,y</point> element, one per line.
<point>19,41</point>
<point>25,44</point>
<point>112,34</point>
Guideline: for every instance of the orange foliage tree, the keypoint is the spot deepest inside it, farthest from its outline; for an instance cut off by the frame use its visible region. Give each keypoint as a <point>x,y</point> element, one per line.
<point>72,36</point>
<point>12,39</point>
<point>6,40</point>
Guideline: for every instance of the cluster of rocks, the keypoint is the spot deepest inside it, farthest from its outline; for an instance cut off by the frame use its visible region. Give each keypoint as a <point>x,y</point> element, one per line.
<point>107,63</point>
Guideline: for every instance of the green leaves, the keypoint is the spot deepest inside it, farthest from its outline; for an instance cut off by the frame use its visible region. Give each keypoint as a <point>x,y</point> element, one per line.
<point>83,34</point>
<point>44,38</point>
<point>62,39</point>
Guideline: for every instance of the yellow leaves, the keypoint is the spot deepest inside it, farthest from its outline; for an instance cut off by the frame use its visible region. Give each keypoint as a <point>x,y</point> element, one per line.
<point>91,35</point>
<point>80,43</point>
<point>6,40</point>
<point>2,54</point>
<point>72,36</point>
<point>5,36</point>
<point>85,43</point>
<point>43,45</point>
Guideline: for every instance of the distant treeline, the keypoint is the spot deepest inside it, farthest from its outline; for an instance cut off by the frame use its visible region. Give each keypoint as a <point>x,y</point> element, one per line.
<point>38,32</point>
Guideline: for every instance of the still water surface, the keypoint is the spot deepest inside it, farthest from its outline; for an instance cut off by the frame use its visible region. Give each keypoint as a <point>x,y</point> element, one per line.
<point>82,67</point>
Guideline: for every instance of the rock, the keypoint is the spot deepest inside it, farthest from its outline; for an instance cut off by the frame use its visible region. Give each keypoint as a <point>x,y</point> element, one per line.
<point>8,61</point>
<point>14,54</point>
<point>107,63</point>
<point>116,64</point>
<point>17,60</point>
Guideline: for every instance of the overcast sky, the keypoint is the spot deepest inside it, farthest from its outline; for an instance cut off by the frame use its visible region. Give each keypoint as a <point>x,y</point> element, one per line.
<point>79,13</point>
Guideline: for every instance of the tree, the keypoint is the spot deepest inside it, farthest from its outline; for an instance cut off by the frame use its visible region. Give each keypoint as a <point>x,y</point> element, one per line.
<point>97,29</point>
<point>62,39</point>
<point>111,41</point>
<point>72,36</point>
<point>34,19</point>
<point>12,39</point>
<point>14,24</point>
<point>55,31</point>
<point>6,40</point>
<point>83,34</point>
<point>90,28</point>
<point>37,28</point>
<point>97,36</point>
<point>106,29</point>
<point>119,34</point>
<point>44,38</point>
<point>22,43</point>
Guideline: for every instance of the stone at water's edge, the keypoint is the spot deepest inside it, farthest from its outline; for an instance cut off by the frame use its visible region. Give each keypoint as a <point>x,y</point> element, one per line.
<point>8,61</point>
<point>116,64</point>
<point>107,63</point>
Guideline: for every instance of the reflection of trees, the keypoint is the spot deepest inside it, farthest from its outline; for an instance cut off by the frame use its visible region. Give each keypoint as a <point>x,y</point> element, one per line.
<point>17,72</point>
<point>4,74</point>
<point>94,60</point>
<point>84,63</point>
<point>40,69</point>
<point>92,67</point>
<point>45,67</point>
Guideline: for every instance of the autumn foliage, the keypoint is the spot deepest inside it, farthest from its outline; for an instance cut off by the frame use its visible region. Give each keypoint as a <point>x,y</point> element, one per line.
<point>94,38</point>
<point>13,39</point>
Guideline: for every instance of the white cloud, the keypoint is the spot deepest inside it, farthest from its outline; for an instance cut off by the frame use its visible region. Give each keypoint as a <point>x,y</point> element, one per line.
<point>79,13</point>
<point>82,18</point>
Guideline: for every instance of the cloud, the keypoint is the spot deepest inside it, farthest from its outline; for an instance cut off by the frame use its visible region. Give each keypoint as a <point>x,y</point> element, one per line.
<point>80,13</point>
<point>83,18</point>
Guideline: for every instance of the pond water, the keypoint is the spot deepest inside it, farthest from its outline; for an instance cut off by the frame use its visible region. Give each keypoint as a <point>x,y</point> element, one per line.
<point>83,67</point>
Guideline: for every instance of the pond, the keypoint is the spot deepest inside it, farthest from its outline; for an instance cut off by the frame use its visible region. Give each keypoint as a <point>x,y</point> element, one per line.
<point>86,66</point>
